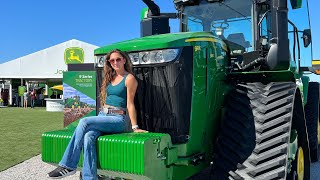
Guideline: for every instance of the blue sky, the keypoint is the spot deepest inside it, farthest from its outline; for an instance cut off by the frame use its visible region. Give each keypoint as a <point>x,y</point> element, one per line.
<point>30,26</point>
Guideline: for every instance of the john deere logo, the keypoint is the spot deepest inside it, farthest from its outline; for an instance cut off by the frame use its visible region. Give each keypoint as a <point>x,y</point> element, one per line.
<point>74,55</point>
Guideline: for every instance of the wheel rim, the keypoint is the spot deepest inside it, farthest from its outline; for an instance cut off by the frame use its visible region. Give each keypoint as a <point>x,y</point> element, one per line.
<point>300,164</point>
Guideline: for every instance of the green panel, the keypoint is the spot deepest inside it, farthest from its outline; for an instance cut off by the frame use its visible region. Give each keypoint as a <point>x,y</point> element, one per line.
<point>126,155</point>
<point>79,96</point>
<point>207,97</point>
<point>54,145</point>
<point>83,81</point>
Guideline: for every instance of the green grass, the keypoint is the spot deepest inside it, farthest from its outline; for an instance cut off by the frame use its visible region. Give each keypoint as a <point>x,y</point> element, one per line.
<point>20,133</point>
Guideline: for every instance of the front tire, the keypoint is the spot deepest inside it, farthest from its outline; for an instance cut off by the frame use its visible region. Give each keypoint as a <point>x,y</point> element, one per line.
<point>312,119</point>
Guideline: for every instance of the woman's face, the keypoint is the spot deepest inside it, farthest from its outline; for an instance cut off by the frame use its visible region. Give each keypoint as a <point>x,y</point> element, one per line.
<point>117,61</point>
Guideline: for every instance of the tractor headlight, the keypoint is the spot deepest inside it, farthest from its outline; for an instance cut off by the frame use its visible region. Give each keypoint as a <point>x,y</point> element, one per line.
<point>144,56</point>
<point>154,57</point>
<point>99,61</point>
<point>134,58</point>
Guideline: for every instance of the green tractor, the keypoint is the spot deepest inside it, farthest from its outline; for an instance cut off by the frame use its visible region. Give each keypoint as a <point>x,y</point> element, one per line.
<point>73,102</point>
<point>227,95</point>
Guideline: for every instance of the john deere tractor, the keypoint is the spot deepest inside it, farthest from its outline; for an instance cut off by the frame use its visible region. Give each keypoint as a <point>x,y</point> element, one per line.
<point>227,95</point>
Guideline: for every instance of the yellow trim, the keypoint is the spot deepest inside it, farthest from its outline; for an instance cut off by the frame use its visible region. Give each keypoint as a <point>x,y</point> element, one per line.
<point>201,39</point>
<point>224,46</point>
<point>300,164</point>
<point>316,62</point>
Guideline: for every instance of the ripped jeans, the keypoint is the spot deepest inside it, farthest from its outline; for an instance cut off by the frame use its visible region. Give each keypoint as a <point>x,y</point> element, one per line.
<point>85,137</point>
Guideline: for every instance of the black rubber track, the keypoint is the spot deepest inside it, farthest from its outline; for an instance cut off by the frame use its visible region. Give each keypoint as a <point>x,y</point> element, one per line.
<point>312,119</point>
<point>299,125</point>
<point>254,139</point>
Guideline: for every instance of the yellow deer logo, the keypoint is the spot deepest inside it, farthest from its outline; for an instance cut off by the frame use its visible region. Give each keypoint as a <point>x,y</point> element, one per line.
<point>73,57</point>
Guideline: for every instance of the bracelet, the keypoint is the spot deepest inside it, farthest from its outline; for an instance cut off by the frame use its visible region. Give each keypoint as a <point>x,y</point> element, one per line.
<point>134,127</point>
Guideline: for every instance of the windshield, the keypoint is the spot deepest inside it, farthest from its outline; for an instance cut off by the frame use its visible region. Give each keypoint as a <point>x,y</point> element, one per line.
<point>229,20</point>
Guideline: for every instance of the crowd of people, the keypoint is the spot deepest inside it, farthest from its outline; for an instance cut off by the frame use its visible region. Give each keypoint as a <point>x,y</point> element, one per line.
<point>32,98</point>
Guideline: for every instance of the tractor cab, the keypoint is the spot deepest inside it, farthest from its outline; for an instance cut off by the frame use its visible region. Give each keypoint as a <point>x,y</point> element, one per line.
<point>256,33</point>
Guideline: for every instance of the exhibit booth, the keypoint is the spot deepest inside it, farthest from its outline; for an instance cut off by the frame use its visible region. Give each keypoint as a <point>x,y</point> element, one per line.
<point>44,68</point>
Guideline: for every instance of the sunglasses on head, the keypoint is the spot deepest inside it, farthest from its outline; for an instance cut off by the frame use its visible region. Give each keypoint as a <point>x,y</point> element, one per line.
<point>113,60</point>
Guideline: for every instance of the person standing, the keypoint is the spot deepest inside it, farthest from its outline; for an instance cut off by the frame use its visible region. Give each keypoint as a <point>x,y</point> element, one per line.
<point>53,95</point>
<point>16,99</point>
<point>33,95</point>
<point>41,98</point>
<point>25,99</point>
<point>117,98</point>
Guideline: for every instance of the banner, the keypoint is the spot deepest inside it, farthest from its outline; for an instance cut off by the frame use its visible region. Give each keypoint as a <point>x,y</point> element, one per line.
<point>79,94</point>
<point>21,90</point>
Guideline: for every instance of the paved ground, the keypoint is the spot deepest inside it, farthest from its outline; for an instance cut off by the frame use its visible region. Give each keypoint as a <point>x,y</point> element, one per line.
<point>315,170</point>
<point>35,169</point>
<point>32,169</point>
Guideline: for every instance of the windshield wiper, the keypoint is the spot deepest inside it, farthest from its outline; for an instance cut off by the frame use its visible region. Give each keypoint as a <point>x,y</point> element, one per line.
<point>245,17</point>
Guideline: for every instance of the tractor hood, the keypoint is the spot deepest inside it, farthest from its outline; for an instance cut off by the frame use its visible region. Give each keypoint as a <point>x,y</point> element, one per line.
<point>155,42</point>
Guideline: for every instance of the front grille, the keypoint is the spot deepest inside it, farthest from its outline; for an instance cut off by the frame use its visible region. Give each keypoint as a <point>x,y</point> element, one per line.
<point>163,98</point>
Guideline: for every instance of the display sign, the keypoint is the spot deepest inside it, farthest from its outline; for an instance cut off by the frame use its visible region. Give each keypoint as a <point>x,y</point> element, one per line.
<point>54,105</point>
<point>79,94</point>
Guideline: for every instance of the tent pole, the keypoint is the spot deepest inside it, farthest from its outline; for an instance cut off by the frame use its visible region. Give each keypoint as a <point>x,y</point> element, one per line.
<point>46,91</point>
<point>27,83</point>
<point>10,91</point>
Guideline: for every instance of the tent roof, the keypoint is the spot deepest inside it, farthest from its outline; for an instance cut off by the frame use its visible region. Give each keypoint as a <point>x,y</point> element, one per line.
<point>48,63</point>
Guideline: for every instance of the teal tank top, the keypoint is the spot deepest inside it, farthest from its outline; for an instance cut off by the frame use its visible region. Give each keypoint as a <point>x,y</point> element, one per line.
<point>117,94</point>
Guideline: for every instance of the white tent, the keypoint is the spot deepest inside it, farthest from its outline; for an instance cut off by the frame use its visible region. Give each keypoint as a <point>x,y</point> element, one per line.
<point>45,64</point>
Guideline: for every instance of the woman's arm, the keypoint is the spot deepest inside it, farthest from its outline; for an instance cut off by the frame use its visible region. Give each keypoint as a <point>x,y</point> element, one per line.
<point>132,85</point>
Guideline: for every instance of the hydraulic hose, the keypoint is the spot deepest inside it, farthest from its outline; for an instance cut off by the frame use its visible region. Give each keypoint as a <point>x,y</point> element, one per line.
<point>254,63</point>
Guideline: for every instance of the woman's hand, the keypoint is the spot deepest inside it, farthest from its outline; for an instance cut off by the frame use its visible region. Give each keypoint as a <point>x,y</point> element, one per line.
<point>139,130</point>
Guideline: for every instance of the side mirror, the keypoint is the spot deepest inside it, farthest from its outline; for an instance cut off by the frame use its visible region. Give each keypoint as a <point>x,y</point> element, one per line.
<point>306,37</point>
<point>296,4</point>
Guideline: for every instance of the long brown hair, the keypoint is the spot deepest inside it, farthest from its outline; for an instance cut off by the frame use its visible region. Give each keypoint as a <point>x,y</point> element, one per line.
<point>109,73</point>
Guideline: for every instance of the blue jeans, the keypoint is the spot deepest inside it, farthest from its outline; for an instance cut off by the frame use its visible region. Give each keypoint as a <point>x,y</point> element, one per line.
<point>85,136</point>
<point>32,103</point>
